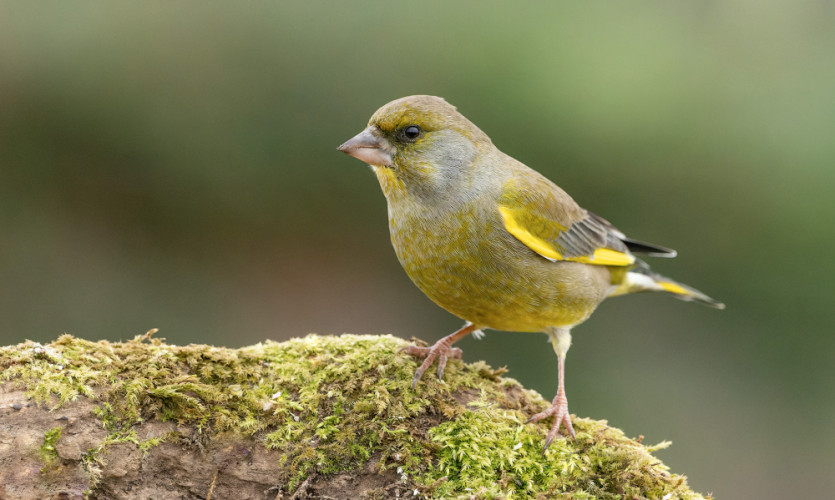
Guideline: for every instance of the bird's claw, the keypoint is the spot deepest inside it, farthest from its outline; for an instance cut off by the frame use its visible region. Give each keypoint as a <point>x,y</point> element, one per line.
<point>441,351</point>
<point>559,409</point>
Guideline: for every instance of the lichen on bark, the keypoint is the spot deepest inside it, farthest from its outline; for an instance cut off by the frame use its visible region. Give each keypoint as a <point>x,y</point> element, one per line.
<point>316,416</point>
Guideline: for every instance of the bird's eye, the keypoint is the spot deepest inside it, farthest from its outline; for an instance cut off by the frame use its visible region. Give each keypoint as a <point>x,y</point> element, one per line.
<point>412,132</point>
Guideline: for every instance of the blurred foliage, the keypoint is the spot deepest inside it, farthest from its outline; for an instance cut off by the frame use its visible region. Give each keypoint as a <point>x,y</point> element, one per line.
<point>173,165</point>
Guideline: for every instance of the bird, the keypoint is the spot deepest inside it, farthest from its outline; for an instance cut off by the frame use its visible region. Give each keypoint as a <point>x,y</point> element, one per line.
<point>493,241</point>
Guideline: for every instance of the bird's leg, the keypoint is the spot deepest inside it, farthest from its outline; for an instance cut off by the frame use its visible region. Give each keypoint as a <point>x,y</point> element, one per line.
<point>442,350</point>
<point>561,338</point>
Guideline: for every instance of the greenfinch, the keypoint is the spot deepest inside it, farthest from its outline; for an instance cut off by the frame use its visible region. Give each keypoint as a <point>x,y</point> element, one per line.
<point>491,240</point>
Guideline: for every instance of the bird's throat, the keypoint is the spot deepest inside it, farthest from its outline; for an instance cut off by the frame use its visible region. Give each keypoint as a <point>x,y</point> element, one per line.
<point>391,185</point>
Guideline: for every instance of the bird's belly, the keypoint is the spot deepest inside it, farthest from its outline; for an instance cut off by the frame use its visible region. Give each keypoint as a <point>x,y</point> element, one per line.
<point>495,285</point>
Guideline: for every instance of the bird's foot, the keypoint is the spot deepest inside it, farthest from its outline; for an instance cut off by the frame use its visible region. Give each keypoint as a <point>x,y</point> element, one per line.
<point>442,351</point>
<point>559,409</point>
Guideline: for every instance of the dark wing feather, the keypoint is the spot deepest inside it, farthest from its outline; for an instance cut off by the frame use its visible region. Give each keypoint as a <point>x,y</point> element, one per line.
<point>587,235</point>
<point>634,246</point>
<point>549,222</point>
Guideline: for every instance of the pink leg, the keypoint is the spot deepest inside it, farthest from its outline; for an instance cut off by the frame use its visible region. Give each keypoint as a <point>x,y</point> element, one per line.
<point>442,350</point>
<point>559,409</point>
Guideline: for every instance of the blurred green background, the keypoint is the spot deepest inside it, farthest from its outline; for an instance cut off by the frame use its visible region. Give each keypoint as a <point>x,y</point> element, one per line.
<point>173,165</point>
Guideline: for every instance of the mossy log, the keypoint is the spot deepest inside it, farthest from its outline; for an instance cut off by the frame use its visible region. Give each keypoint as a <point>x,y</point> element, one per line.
<point>316,417</point>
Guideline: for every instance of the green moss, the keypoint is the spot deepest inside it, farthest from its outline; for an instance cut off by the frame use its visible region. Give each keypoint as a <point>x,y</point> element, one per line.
<point>495,454</point>
<point>329,404</point>
<point>47,450</point>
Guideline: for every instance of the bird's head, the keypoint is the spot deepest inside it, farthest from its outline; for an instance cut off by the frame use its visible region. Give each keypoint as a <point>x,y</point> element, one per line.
<point>422,140</point>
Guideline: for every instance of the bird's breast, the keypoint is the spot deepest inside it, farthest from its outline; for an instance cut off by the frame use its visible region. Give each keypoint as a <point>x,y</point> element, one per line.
<point>463,259</point>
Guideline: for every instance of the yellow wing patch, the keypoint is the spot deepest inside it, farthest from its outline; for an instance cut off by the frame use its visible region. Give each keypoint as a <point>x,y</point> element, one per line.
<point>600,257</point>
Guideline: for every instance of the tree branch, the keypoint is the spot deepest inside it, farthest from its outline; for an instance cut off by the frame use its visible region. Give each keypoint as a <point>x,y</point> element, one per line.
<point>317,417</point>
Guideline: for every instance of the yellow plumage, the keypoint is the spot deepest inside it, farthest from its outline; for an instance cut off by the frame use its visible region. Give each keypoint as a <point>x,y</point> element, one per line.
<point>600,256</point>
<point>491,240</point>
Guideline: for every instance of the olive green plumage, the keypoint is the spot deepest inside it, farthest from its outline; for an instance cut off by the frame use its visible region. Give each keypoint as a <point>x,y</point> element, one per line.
<point>489,239</point>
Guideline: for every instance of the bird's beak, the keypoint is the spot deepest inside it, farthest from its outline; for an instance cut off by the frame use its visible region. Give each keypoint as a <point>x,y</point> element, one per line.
<point>370,148</point>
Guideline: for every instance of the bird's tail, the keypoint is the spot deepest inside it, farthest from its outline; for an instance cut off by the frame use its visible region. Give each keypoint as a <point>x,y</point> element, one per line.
<point>641,279</point>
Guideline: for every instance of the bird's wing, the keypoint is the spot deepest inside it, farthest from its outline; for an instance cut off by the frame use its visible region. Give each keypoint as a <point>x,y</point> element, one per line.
<point>549,222</point>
